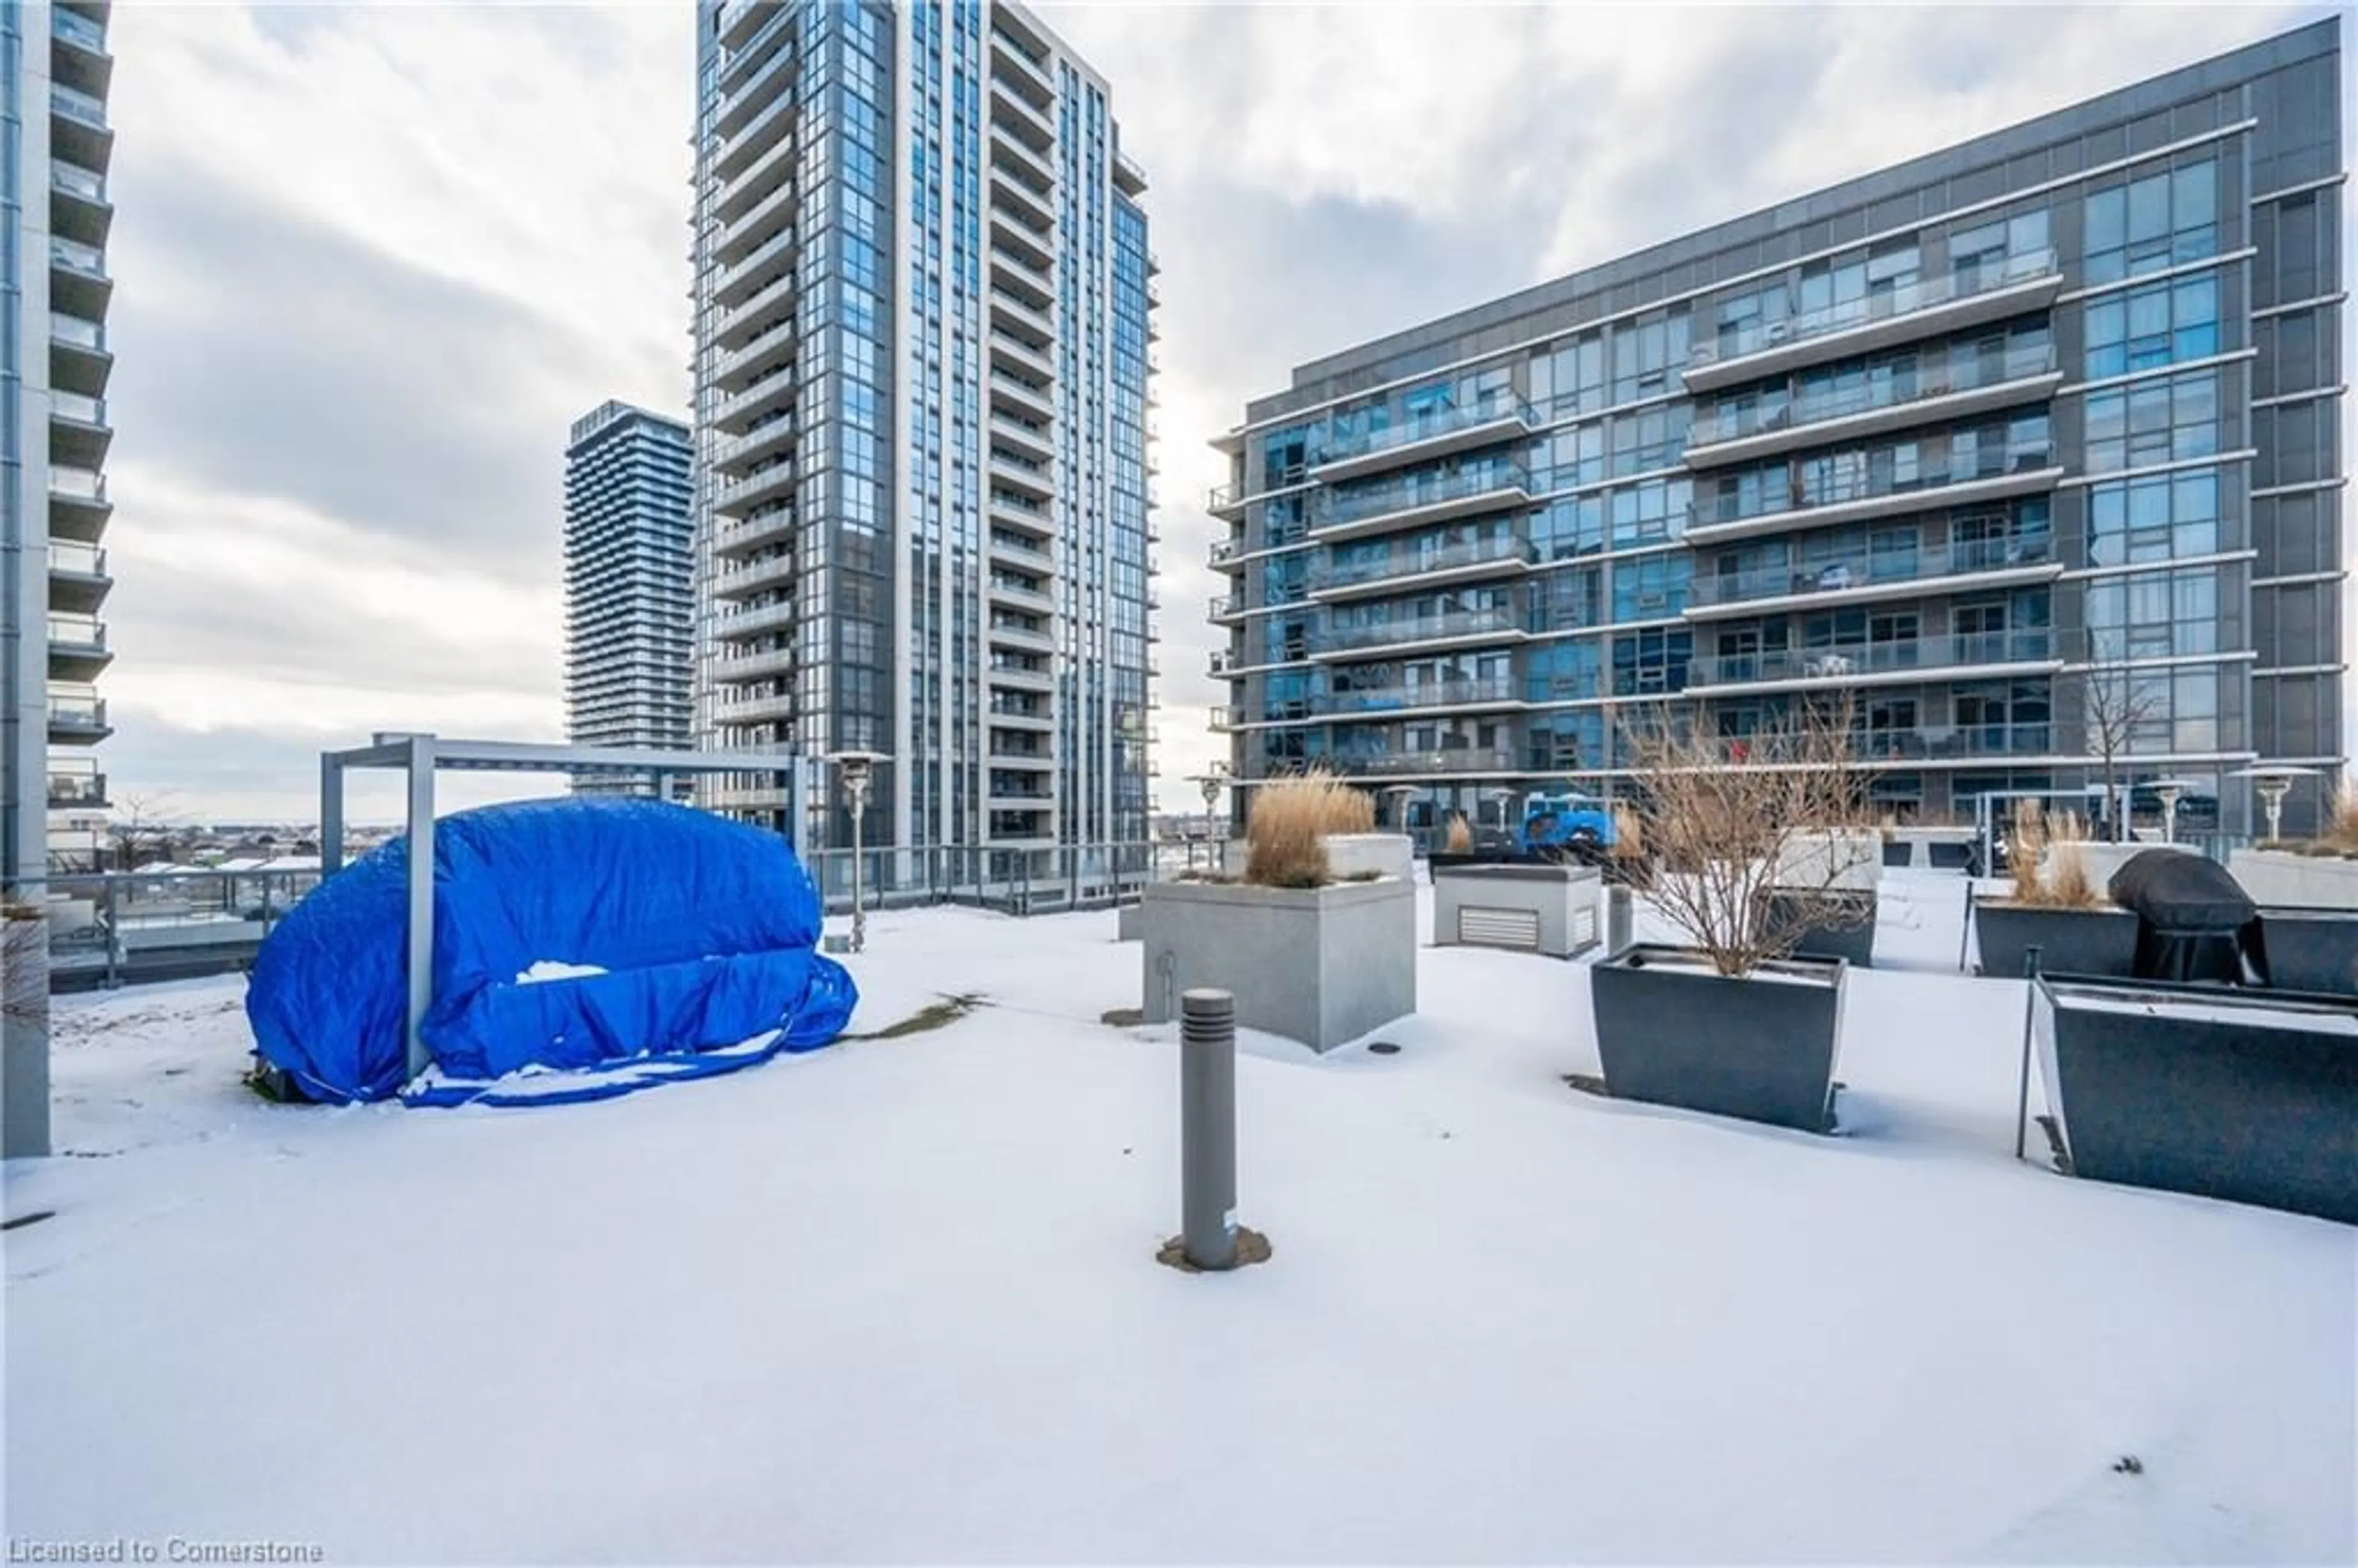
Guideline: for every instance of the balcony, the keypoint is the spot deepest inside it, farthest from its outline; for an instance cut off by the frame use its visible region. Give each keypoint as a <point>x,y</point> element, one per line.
<point>1006,348</point>
<point>759,270</point>
<point>1949,393</point>
<point>77,718</point>
<point>1405,569</point>
<point>78,285</point>
<point>1021,513</point>
<point>743,669</point>
<point>1489,420</point>
<point>1962,657</point>
<point>733,458</point>
<point>78,52</point>
<point>1012,712</point>
<point>743,18</point>
<point>1028,437</point>
<point>79,360</point>
<point>741,148</point>
<point>1014,634</point>
<point>1226,501</point>
<point>769,350</point>
<point>1022,677</point>
<point>743,413</point>
<point>1029,399</point>
<point>1431,697</point>
<point>1855,497</point>
<point>1460,628</point>
<point>764,621</point>
<point>739,497</point>
<point>1021,475</point>
<point>1226,608</point>
<point>1024,121</point>
<point>77,786</point>
<point>1950,743</point>
<point>745,712</point>
<point>78,504</point>
<point>1023,595</point>
<point>1416,500</point>
<point>78,577</point>
<point>733,540</point>
<point>1022,159</point>
<point>1454,762</point>
<point>79,431</point>
<point>1010,237</point>
<point>1023,70</point>
<point>1010,315</point>
<point>1031,207</point>
<point>747,233</point>
<point>762,578</point>
<point>1864,575</point>
<point>747,60</point>
<point>78,649</point>
<point>79,208</point>
<point>1930,308</point>
<point>1128,177</point>
<point>77,129</point>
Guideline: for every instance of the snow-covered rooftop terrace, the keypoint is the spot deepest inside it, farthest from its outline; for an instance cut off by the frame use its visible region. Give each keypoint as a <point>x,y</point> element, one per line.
<point>897,1301</point>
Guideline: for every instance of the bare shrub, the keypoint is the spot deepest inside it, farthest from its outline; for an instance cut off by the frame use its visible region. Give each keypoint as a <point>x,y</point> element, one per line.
<point>2342,823</point>
<point>1461,834</point>
<point>1285,833</point>
<point>2068,882</point>
<point>1741,841</point>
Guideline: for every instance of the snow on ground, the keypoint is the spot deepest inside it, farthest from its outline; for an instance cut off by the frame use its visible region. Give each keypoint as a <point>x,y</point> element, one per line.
<point>896,1301</point>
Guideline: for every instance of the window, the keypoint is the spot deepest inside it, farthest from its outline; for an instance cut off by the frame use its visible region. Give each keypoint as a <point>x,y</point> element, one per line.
<point>1649,663</point>
<point>2156,325</point>
<point>2154,615</point>
<point>2160,219</point>
<point>1650,513</point>
<point>1653,587</point>
<point>1564,671</point>
<point>2153,422</point>
<point>1569,528</point>
<point>2160,518</point>
<point>1644,355</point>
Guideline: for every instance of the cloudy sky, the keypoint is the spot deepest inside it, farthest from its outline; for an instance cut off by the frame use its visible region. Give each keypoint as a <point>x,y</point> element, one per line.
<point>372,261</point>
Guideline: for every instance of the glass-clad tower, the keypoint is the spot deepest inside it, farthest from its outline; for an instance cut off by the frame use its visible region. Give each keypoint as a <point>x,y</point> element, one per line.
<point>2026,452</point>
<point>630,602</point>
<point>923,307</point>
<point>55,71</point>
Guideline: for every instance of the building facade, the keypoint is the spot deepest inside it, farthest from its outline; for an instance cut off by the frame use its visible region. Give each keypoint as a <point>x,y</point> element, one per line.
<point>54,70</point>
<point>2010,448</point>
<point>629,597</point>
<point>922,309</point>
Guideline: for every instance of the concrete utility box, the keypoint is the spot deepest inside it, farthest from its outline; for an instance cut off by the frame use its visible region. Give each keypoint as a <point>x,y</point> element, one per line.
<point>1549,910</point>
<point>1322,966</point>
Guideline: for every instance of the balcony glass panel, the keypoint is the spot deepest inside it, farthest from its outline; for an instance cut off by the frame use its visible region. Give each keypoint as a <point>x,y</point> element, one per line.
<point>74,406</point>
<point>67,555</point>
<point>77,30</point>
<point>1358,503</point>
<point>75,256</point>
<point>1735,340</point>
<point>79,485</point>
<point>1405,563</point>
<point>1415,629</point>
<point>74,330</point>
<point>78,106</point>
<point>77,180</point>
<point>77,631</point>
<point>1424,424</point>
<point>1865,566</point>
<point>1836,478</point>
<point>1880,386</point>
<point>2035,645</point>
<point>1426,693</point>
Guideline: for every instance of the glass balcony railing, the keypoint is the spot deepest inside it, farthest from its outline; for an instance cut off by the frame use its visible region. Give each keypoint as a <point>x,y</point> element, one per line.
<point>1428,694</point>
<point>1808,491</point>
<point>1416,628</point>
<point>75,330</point>
<point>77,30</point>
<point>1222,496</point>
<point>78,106</point>
<point>76,784</point>
<point>77,632</point>
<point>1490,408</point>
<point>75,256</point>
<point>1411,563</point>
<point>1735,343</point>
<point>81,409</point>
<point>83,710</point>
<point>1929,743</point>
<point>1897,391</point>
<point>1336,508</point>
<point>77,485</point>
<point>76,180</point>
<point>81,560</point>
<point>1864,568</point>
<point>1449,759</point>
<point>1853,659</point>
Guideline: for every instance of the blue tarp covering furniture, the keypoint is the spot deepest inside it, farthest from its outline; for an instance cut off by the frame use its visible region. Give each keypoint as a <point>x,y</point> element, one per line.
<point>708,932</point>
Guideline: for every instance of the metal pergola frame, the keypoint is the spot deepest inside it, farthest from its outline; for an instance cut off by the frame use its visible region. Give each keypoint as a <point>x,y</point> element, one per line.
<point>420,756</point>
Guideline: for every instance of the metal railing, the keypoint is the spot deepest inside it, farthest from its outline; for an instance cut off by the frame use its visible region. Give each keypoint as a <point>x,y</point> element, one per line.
<point>1917,384</point>
<point>1851,659</point>
<point>1492,408</point>
<point>1863,567</point>
<point>1904,300</point>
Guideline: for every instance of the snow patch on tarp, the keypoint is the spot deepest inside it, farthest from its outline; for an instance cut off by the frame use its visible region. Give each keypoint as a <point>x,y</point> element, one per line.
<point>687,945</point>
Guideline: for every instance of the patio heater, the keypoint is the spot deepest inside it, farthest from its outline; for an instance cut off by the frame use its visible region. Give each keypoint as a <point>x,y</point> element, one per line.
<point>857,770</point>
<point>1211,781</point>
<point>2170,791</point>
<point>2273,784</point>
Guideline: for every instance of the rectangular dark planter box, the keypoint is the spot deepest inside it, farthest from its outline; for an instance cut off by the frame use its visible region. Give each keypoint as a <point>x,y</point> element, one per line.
<point>1846,931</point>
<point>2311,949</point>
<point>2096,942</point>
<point>2246,1096</point>
<point>1760,1048</point>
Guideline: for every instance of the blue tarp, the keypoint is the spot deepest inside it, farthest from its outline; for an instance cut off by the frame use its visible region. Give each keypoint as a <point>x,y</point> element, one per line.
<point>707,929</point>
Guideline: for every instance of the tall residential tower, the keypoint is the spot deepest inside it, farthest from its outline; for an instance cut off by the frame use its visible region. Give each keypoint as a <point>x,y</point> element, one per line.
<point>1990,445</point>
<point>923,310</point>
<point>55,70</point>
<point>630,602</point>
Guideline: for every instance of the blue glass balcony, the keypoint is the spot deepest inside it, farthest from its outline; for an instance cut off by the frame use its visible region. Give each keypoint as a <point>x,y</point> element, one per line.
<point>1864,574</point>
<point>1852,663</point>
<point>1414,500</point>
<point>1429,434</point>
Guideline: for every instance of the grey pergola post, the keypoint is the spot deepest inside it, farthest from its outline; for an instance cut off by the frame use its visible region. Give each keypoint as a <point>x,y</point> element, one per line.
<point>331,814</point>
<point>421,896</point>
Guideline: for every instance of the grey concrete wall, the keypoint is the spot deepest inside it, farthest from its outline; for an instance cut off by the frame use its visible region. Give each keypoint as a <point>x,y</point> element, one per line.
<point>24,1037</point>
<point>1387,854</point>
<point>1321,965</point>
<point>2295,882</point>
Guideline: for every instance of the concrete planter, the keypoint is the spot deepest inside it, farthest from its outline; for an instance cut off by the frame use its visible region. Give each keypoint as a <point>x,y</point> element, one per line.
<point>1930,849</point>
<point>2223,1094</point>
<point>1834,924</point>
<point>1670,1031</point>
<point>1551,910</point>
<point>2311,949</point>
<point>24,1033</point>
<point>1814,861</point>
<point>2097,942</point>
<point>1347,855</point>
<point>1319,965</point>
<point>2284,881</point>
<point>1129,922</point>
